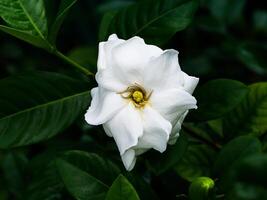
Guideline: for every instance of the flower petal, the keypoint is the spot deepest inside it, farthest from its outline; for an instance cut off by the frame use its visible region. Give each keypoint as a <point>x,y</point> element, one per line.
<point>190,83</point>
<point>176,129</point>
<point>126,127</point>
<point>156,131</point>
<point>104,105</point>
<point>129,159</point>
<point>163,72</point>
<point>172,103</point>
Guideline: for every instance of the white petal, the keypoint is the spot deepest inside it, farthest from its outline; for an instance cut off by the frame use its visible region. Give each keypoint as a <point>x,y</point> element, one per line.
<point>163,72</point>
<point>176,129</point>
<point>129,159</point>
<point>156,131</point>
<point>126,127</point>
<point>172,103</point>
<point>190,83</point>
<point>104,105</point>
<point>104,51</point>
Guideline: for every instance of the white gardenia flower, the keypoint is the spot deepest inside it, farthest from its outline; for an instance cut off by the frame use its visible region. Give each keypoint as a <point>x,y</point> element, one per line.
<point>142,96</point>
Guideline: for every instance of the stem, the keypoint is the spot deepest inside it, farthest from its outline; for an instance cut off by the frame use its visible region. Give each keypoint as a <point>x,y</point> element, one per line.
<point>73,63</point>
<point>215,146</point>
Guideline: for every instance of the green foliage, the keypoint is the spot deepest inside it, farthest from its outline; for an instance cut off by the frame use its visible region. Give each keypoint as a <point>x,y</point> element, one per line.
<point>121,189</point>
<point>250,117</point>
<point>38,105</point>
<point>218,97</point>
<point>151,21</point>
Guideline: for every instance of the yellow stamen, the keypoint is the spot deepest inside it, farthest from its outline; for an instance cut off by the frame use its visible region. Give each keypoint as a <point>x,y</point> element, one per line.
<point>138,96</point>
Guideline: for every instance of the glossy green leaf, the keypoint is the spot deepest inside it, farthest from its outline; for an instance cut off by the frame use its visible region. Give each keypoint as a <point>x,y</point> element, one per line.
<point>201,189</point>
<point>233,151</point>
<point>250,117</point>
<point>121,189</point>
<point>64,7</point>
<point>38,105</point>
<point>197,161</point>
<point>22,35</point>
<point>86,176</point>
<point>25,15</point>
<point>154,20</point>
<point>161,163</point>
<point>216,98</point>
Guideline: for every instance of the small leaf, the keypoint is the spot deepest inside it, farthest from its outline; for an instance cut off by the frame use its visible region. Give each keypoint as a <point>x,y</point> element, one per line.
<point>250,117</point>
<point>154,20</point>
<point>25,15</point>
<point>216,98</point>
<point>64,7</point>
<point>201,189</point>
<point>122,189</point>
<point>81,185</point>
<point>38,105</point>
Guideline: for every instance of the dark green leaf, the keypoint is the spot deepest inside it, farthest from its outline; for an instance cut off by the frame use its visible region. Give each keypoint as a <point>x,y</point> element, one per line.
<point>81,185</point>
<point>25,15</point>
<point>235,150</point>
<point>37,105</point>
<point>216,98</point>
<point>121,189</point>
<point>64,7</point>
<point>250,117</point>
<point>22,35</point>
<point>197,161</point>
<point>154,20</point>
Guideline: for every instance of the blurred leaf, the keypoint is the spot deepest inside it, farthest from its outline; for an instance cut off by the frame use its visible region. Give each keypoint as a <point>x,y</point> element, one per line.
<point>201,189</point>
<point>45,182</point>
<point>86,176</point>
<point>253,56</point>
<point>260,20</point>
<point>22,35</point>
<point>197,161</point>
<point>25,15</point>
<point>172,156</point>
<point>64,7</point>
<point>216,98</point>
<point>154,20</point>
<point>250,116</point>
<point>233,151</point>
<point>121,189</point>
<point>85,56</point>
<point>249,180</point>
<point>113,5</point>
<point>13,166</point>
<point>38,105</point>
<point>104,25</point>
<point>226,11</point>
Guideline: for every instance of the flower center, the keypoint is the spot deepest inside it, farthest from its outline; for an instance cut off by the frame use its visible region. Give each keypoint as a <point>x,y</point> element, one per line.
<point>137,94</point>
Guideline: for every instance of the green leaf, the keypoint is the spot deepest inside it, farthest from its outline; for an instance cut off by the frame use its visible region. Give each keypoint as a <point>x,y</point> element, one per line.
<point>235,150</point>
<point>161,163</point>
<point>22,35</point>
<point>216,98</point>
<point>25,15</point>
<point>104,25</point>
<point>122,189</point>
<point>250,117</point>
<point>201,189</point>
<point>197,161</point>
<point>38,105</point>
<point>64,7</point>
<point>154,20</point>
<point>86,176</point>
